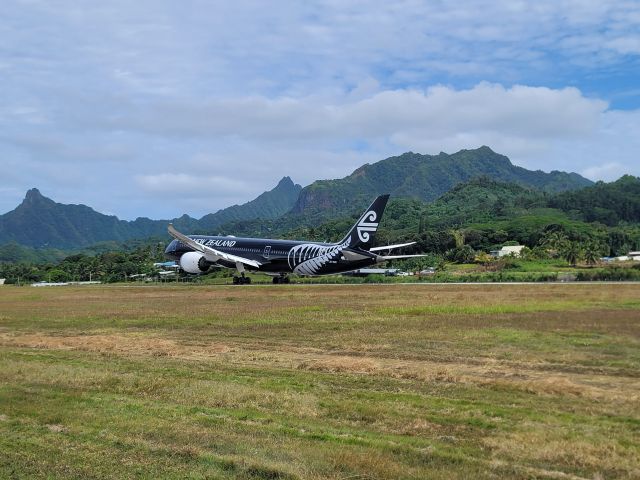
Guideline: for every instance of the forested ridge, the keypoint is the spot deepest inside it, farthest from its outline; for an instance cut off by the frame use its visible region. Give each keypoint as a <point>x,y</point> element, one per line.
<point>461,225</point>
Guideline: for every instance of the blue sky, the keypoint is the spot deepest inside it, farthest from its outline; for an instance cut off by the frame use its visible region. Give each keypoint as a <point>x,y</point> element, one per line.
<point>158,108</point>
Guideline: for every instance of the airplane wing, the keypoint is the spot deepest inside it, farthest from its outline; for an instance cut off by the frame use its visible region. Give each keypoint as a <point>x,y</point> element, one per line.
<point>391,247</point>
<point>382,258</point>
<point>209,253</point>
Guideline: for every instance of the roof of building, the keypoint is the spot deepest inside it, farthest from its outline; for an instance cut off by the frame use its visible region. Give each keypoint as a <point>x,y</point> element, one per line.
<point>512,248</point>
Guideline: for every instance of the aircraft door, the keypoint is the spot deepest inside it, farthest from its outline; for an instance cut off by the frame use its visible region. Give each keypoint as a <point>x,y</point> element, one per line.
<point>267,251</point>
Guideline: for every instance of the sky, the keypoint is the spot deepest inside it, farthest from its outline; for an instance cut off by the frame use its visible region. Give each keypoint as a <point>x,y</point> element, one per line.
<point>157,108</point>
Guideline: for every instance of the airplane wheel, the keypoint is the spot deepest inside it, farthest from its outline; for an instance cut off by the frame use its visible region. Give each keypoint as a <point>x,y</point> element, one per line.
<point>247,280</point>
<point>276,280</point>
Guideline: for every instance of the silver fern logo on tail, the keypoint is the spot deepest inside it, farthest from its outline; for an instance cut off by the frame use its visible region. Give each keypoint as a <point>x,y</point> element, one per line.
<point>366,225</point>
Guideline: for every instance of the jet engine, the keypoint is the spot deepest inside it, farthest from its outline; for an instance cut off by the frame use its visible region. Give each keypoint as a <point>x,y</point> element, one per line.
<point>194,262</point>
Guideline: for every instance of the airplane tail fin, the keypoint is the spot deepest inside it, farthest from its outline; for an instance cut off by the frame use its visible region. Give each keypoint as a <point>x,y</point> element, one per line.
<point>362,233</point>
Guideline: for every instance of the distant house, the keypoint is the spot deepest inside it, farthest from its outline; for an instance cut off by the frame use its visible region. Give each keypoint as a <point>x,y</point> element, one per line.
<point>2,281</point>
<point>508,250</point>
<point>629,256</point>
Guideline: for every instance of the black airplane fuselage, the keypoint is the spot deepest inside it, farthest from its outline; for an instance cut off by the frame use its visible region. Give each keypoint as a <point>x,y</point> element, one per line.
<point>197,253</point>
<point>279,256</point>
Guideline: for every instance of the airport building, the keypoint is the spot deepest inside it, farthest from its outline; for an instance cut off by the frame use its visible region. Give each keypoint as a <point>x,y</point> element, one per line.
<point>513,250</point>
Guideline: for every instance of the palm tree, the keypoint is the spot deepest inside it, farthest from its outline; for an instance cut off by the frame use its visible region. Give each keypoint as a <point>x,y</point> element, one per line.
<point>591,253</point>
<point>572,253</point>
<point>554,242</point>
<point>458,236</point>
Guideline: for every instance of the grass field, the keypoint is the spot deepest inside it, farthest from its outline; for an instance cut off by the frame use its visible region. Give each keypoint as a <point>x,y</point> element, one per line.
<point>343,382</point>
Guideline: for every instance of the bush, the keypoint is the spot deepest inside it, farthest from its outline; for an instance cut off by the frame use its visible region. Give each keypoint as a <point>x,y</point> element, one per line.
<point>609,274</point>
<point>374,279</point>
<point>464,254</point>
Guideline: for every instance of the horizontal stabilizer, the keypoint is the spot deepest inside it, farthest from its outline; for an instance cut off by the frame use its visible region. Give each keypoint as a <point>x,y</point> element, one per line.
<point>211,254</point>
<point>391,247</point>
<point>384,258</point>
<point>354,256</point>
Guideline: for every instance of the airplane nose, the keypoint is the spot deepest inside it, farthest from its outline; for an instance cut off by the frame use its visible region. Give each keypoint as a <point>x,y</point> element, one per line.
<point>171,248</point>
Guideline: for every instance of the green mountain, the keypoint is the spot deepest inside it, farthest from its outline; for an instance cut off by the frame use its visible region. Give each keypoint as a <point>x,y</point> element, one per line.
<point>479,200</point>
<point>268,205</point>
<point>608,203</point>
<point>476,189</point>
<point>486,211</point>
<point>425,177</point>
<point>39,222</point>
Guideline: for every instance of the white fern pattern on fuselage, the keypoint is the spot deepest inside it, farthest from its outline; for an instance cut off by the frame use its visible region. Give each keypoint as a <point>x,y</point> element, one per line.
<point>309,258</point>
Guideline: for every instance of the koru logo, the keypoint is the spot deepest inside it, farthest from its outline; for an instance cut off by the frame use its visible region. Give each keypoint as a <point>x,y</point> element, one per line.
<point>366,225</point>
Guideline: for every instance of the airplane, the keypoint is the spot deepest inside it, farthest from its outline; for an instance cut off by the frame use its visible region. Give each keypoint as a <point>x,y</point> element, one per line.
<point>196,254</point>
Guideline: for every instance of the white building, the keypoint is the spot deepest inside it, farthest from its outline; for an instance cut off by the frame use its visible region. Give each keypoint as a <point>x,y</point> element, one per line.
<point>508,250</point>
<point>629,256</point>
<point>2,281</point>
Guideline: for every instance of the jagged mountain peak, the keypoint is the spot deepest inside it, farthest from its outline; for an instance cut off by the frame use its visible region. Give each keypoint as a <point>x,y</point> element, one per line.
<point>285,182</point>
<point>33,196</point>
<point>268,205</point>
<point>33,193</point>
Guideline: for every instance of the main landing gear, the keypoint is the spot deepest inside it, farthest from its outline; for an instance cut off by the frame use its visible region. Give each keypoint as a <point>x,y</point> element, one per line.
<point>241,280</point>
<point>280,279</point>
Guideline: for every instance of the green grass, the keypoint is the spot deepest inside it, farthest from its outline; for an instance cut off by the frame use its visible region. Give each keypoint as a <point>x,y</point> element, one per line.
<point>385,381</point>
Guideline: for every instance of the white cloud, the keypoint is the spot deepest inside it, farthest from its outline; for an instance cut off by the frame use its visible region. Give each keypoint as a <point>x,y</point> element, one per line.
<point>519,111</point>
<point>611,151</point>
<point>110,102</point>
<point>625,45</point>
<point>190,186</point>
<point>199,158</point>
<point>308,139</point>
<point>608,171</point>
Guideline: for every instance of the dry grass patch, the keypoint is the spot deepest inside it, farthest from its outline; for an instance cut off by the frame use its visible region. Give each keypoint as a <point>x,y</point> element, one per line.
<point>132,344</point>
<point>383,381</point>
<point>523,376</point>
<point>546,445</point>
<point>336,364</point>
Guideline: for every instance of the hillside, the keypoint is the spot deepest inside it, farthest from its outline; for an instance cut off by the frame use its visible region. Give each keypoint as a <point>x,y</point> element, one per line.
<point>487,212</point>
<point>39,222</point>
<point>479,200</point>
<point>608,203</point>
<point>425,177</point>
<point>268,205</point>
